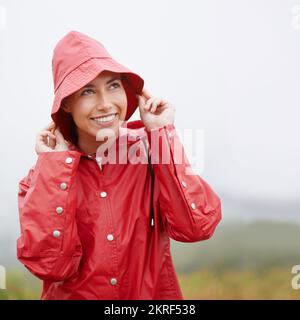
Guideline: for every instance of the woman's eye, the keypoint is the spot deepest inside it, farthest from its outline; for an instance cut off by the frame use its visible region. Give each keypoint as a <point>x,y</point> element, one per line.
<point>115,84</point>
<point>87,92</point>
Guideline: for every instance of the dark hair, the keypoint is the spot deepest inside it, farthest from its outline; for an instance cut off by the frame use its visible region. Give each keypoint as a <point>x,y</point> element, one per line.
<point>74,134</point>
<point>68,126</point>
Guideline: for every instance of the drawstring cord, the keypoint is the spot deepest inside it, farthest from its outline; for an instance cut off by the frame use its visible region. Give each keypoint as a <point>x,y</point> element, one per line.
<point>150,168</point>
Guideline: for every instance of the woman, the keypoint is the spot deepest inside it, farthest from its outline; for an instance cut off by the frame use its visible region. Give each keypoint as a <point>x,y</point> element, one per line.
<point>95,222</point>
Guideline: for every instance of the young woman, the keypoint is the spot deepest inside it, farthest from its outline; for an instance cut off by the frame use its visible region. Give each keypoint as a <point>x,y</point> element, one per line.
<point>96,218</point>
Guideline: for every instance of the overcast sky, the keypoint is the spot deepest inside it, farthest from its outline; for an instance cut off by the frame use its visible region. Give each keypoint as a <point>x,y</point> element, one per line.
<point>231,69</point>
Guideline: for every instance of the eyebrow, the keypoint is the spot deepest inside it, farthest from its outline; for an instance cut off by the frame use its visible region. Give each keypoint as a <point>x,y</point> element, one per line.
<point>89,85</point>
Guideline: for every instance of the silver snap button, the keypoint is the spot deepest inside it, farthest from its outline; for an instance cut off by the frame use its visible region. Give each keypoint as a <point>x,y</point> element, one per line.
<point>56,233</point>
<point>113,281</point>
<point>103,194</point>
<point>59,210</point>
<point>63,186</point>
<point>110,237</point>
<point>183,183</point>
<point>193,206</point>
<point>69,160</point>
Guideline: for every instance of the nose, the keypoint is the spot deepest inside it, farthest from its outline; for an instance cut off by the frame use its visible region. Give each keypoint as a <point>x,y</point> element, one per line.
<point>103,103</point>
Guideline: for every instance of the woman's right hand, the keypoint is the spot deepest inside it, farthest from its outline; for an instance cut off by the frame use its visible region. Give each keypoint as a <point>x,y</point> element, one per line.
<point>50,139</point>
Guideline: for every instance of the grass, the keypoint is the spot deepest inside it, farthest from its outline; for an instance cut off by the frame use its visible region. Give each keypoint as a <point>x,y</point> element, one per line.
<point>21,285</point>
<point>270,284</point>
<point>274,283</point>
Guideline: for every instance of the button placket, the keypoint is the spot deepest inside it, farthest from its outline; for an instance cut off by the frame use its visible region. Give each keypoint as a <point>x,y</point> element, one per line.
<point>110,237</point>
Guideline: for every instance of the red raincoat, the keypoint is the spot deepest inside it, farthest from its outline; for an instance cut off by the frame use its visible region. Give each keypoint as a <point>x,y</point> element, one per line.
<point>86,226</point>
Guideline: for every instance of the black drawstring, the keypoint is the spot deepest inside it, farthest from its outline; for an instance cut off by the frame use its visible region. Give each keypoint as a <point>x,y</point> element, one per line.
<point>152,191</point>
<point>150,168</point>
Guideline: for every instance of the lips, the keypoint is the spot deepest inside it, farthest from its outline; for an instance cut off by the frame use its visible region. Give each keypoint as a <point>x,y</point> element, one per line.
<point>103,116</point>
<point>106,120</point>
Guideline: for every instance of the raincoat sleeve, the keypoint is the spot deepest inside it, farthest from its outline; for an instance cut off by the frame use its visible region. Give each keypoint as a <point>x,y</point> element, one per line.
<point>49,245</point>
<point>188,206</point>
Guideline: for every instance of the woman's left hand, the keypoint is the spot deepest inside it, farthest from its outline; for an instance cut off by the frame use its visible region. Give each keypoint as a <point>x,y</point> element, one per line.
<point>155,112</point>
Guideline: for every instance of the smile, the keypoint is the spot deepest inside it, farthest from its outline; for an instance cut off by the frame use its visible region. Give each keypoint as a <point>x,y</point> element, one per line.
<point>104,120</point>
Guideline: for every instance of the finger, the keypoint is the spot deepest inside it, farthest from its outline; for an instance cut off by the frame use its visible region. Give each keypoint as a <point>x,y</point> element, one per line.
<point>45,133</point>
<point>141,103</point>
<point>141,100</point>
<point>43,136</point>
<point>157,104</point>
<point>60,138</point>
<point>154,106</point>
<point>53,129</point>
<point>52,143</point>
<point>50,126</point>
<point>149,103</point>
<point>146,94</point>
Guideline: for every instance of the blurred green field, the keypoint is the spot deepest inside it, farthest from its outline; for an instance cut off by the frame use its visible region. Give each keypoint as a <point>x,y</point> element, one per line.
<point>241,261</point>
<point>271,284</point>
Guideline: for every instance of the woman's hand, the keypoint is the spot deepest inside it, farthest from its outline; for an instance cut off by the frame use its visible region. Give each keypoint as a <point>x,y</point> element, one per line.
<point>50,139</point>
<point>155,112</point>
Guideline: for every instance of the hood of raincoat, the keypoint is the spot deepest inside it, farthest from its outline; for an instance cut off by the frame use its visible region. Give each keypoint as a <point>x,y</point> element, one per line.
<point>77,60</point>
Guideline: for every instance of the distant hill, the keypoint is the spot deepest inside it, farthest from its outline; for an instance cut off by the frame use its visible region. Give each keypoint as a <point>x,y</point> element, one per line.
<point>255,245</point>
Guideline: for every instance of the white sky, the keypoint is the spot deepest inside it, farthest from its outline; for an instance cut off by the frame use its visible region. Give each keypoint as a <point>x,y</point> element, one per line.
<point>231,68</point>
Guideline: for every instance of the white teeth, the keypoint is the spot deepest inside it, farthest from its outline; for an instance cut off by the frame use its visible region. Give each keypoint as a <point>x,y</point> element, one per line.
<point>105,119</point>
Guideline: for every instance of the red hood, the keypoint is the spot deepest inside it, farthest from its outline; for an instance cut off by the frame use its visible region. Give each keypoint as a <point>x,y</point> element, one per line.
<point>77,60</point>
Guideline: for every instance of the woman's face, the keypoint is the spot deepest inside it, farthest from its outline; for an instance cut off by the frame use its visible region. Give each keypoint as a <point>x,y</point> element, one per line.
<point>101,104</point>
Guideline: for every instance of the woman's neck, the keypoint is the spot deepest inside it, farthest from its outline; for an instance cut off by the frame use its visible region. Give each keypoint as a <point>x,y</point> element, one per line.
<point>90,146</point>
